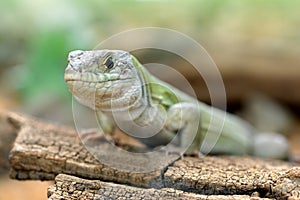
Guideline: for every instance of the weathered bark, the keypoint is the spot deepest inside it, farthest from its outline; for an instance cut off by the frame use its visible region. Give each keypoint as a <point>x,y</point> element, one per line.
<point>233,175</point>
<point>70,187</point>
<point>42,151</point>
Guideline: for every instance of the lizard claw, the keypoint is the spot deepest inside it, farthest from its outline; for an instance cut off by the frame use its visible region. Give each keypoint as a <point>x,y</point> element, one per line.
<point>95,135</point>
<point>169,151</point>
<point>196,154</point>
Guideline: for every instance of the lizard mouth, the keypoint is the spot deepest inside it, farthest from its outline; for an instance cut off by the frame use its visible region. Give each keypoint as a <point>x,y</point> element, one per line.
<point>88,77</point>
<point>73,77</point>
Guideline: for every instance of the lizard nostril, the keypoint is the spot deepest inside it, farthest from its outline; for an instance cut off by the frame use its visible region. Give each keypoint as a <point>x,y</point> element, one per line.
<point>76,53</point>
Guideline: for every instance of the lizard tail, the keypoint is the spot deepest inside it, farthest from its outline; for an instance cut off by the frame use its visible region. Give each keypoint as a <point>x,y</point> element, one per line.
<point>270,145</point>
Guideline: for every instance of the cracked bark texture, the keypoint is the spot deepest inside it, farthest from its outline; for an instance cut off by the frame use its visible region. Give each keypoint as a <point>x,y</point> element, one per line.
<point>42,151</point>
<point>70,187</point>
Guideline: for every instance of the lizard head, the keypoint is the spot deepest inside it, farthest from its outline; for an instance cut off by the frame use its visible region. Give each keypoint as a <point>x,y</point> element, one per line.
<point>103,79</point>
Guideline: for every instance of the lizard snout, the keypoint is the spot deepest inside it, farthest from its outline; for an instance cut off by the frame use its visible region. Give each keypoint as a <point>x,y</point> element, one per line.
<point>74,54</point>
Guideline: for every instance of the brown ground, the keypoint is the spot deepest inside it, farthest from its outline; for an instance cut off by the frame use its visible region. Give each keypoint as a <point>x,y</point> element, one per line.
<point>17,190</point>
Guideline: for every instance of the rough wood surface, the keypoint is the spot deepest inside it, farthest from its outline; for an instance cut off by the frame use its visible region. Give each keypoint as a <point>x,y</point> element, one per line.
<point>42,151</point>
<point>234,175</point>
<point>70,187</point>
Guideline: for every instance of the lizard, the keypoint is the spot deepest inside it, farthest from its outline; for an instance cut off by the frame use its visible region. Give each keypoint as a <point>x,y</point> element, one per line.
<point>125,94</point>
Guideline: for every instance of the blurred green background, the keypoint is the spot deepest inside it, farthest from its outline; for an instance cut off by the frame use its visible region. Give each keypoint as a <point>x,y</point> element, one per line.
<point>255,44</point>
<point>36,36</point>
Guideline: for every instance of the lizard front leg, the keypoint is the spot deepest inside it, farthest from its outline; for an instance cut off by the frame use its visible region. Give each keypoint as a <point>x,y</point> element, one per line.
<point>104,130</point>
<point>184,118</point>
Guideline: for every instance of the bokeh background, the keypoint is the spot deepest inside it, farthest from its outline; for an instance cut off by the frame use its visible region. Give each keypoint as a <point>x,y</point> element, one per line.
<point>255,44</point>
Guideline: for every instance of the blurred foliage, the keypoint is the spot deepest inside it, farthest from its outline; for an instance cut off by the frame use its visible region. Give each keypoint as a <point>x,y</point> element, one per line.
<point>44,64</point>
<point>36,36</point>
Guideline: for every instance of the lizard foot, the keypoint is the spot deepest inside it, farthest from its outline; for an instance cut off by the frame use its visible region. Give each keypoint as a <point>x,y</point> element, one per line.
<point>96,135</point>
<point>196,154</point>
<point>170,150</point>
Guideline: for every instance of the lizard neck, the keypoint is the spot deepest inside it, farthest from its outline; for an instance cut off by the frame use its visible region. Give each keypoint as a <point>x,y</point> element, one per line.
<point>155,91</point>
<point>140,92</point>
<point>145,116</point>
<point>145,79</point>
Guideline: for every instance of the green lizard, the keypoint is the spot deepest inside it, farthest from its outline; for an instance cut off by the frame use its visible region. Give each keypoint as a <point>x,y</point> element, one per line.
<point>125,94</point>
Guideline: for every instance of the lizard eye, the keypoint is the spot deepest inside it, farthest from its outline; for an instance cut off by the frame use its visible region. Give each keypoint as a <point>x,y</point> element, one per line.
<point>109,63</point>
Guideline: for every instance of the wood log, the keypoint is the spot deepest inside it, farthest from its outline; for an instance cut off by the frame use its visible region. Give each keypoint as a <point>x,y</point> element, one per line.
<point>71,187</point>
<point>42,151</point>
<point>7,137</point>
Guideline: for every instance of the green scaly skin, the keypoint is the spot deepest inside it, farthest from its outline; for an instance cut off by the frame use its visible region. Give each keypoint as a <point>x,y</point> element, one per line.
<point>125,94</point>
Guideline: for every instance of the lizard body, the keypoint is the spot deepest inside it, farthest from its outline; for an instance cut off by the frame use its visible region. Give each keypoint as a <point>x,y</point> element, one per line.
<point>115,84</point>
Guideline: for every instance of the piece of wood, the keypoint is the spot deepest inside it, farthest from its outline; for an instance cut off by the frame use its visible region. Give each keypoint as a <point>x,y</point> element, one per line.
<point>233,175</point>
<point>42,151</point>
<point>70,187</point>
<point>7,137</point>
